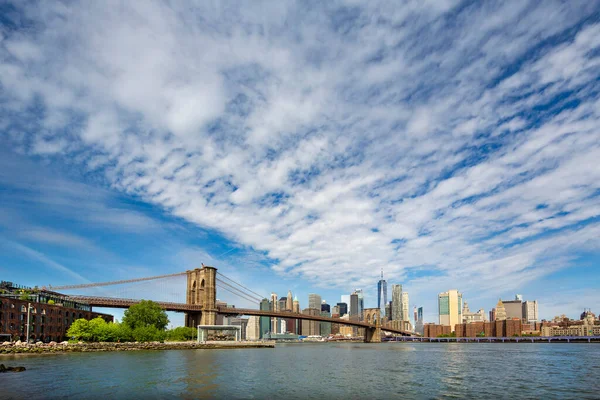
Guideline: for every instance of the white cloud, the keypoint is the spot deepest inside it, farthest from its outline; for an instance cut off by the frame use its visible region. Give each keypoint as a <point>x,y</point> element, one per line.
<point>353,139</point>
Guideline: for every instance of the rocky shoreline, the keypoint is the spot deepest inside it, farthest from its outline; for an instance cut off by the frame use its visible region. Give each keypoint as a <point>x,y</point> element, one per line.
<point>66,347</point>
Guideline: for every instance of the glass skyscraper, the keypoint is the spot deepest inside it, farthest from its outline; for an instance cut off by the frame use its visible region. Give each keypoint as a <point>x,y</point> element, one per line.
<point>382,294</point>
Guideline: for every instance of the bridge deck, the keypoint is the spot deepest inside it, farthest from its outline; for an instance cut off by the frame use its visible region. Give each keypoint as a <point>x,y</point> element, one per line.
<point>110,302</point>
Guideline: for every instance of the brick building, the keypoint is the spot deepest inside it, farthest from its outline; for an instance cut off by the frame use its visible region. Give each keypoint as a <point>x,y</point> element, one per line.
<point>50,314</point>
<point>434,330</point>
<point>506,328</point>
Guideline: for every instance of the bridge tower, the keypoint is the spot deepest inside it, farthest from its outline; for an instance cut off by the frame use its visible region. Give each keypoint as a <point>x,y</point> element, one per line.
<point>202,290</point>
<point>372,316</point>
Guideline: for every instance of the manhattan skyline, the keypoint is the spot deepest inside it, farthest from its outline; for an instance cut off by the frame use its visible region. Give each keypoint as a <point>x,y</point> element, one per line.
<point>290,163</point>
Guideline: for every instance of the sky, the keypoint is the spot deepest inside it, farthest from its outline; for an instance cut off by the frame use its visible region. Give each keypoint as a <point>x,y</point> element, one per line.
<point>305,146</point>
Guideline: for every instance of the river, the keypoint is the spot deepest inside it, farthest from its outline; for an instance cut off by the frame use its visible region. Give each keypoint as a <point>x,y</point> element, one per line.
<point>318,371</point>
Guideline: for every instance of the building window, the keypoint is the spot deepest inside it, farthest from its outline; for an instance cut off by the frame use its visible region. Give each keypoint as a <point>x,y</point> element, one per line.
<point>23,308</point>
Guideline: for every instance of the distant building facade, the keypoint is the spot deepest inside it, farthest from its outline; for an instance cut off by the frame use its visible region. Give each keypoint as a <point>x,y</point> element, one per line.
<point>343,309</point>
<point>530,311</point>
<point>396,303</point>
<point>450,308</point>
<point>47,321</point>
<point>314,301</point>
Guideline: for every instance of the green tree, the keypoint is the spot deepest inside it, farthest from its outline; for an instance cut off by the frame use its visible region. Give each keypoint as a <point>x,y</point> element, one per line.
<point>80,330</point>
<point>148,333</point>
<point>51,302</point>
<point>144,314</point>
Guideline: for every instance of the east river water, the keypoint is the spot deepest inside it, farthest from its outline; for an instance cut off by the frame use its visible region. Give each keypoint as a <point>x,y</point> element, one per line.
<point>318,371</point>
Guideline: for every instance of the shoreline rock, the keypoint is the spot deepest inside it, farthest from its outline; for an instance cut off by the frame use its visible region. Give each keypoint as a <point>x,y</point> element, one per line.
<point>65,347</point>
<point>11,369</point>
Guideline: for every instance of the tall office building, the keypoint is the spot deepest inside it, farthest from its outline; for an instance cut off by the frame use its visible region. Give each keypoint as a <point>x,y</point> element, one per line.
<point>289,306</point>
<point>282,304</point>
<point>415,313</point>
<point>314,301</point>
<point>381,294</point>
<point>419,322</point>
<point>353,305</point>
<point>274,307</point>
<point>450,308</point>
<point>396,302</point>
<point>310,327</point>
<point>388,309</point>
<point>296,305</point>
<point>325,327</point>
<point>530,311</point>
<point>514,308</point>
<point>343,308</point>
<point>361,303</point>
<point>405,307</point>
<point>265,322</point>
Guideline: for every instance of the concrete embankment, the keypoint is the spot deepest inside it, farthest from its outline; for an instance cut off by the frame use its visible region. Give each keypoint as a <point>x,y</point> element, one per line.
<point>65,347</point>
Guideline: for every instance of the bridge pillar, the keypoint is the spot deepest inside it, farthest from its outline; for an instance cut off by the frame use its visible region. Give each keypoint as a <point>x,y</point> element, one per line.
<point>372,333</point>
<point>202,290</point>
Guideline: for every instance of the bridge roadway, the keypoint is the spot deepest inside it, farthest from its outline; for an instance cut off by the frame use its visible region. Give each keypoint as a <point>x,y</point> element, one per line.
<point>111,302</point>
<point>292,315</point>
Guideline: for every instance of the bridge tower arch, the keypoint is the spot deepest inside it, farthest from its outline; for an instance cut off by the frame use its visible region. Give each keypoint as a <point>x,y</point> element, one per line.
<point>202,290</point>
<point>373,316</point>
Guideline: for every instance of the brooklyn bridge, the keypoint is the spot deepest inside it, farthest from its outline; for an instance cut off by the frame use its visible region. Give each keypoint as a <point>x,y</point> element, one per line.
<point>201,306</point>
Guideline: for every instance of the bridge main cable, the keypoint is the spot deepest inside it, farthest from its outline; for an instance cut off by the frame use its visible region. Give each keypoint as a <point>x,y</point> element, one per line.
<point>88,285</point>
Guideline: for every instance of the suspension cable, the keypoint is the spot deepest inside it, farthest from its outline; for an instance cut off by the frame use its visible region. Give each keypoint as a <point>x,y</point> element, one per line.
<point>87,285</point>
<point>240,291</point>
<point>237,294</point>
<point>239,284</point>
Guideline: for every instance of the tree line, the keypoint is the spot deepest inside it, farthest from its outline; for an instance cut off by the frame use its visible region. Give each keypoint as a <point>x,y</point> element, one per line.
<point>142,322</point>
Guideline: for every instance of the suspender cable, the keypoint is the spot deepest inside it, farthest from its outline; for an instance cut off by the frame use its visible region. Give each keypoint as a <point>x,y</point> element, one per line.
<point>239,291</point>
<point>239,284</point>
<point>237,294</point>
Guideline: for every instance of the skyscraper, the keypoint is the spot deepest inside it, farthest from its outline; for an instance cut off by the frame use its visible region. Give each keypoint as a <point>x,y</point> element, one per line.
<point>290,304</point>
<point>419,321</point>
<point>405,307</point>
<point>314,301</point>
<point>265,322</point>
<point>274,307</point>
<point>396,302</point>
<point>296,305</point>
<point>381,294</point>
<point>282,304</point>
<point>325,307</point>
<point>361,302</point>
<point>353,305</point>
<point>450,308</point>
<point>530,311</point>
<point>343,308</point>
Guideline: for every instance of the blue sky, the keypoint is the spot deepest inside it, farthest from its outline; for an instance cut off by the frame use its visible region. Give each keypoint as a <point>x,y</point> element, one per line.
<point>305,146</point>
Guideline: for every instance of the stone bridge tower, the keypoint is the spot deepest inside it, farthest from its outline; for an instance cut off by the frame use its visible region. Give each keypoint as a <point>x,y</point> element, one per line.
<point>372,316</point>
<point>202,290</point>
